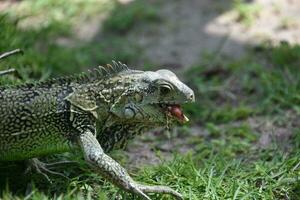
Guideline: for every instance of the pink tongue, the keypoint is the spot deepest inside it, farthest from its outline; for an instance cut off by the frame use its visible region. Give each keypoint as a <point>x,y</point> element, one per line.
<point>176,111</point>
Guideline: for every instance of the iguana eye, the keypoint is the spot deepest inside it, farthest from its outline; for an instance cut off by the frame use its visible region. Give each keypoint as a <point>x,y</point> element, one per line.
<point>165,89</point>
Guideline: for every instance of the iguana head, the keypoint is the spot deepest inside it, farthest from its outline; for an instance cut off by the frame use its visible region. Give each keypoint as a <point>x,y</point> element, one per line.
<point>152,97</point>
<point>133,97</point>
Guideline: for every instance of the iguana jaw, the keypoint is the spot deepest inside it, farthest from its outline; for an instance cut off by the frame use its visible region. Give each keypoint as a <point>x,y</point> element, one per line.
<point>174,111</point>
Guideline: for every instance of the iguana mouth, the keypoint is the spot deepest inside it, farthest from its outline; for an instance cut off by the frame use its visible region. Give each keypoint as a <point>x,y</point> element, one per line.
<point>175,111</point>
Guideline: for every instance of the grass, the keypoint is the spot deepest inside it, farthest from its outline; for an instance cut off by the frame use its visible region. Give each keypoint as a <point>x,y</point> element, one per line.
<point>246,12</point>
<point>125,18</point>
<point>265,82</point>
<point>225,160</point>
<point>216,168</point>
<point>22,26</point>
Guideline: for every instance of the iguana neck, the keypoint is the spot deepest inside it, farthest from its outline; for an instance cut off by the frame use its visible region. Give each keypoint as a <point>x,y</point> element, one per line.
<point>117,136</point>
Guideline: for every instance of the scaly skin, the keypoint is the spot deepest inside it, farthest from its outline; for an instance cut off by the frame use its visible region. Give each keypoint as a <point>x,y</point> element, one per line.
<point>96,112</point>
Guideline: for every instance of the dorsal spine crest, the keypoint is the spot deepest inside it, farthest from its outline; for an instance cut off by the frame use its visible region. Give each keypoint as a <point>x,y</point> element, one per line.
<point>100,72</point>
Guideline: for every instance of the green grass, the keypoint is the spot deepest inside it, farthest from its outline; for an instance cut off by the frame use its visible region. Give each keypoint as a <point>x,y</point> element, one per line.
<point>224,166</point>
<point>265,82</point>
<point>225,160</point>
<point>246,12</point>
<point>46,56</point>
<point>125,18</point>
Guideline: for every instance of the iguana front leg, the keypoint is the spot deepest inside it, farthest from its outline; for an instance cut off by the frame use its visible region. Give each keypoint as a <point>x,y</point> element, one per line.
<point>113,171</point>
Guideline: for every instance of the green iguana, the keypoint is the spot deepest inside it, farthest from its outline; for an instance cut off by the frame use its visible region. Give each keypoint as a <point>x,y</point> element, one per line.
<point>96,112</point>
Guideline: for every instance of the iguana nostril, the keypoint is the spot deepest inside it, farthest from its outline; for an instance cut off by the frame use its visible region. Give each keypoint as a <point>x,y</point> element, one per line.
<point>192,97</point>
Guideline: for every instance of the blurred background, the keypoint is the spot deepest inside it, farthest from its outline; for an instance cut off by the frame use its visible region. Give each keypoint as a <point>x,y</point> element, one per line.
<point>241,57</point>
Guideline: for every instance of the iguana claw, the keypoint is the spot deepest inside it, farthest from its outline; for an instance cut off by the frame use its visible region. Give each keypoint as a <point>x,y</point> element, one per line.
<point>160,189</point>
<point>41,167</point>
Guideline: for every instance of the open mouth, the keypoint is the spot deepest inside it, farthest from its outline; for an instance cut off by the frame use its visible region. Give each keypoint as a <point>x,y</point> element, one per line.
<point>175,111</point>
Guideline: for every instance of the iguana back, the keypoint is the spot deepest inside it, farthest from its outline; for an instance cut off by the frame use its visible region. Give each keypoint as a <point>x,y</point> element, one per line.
<point>34,120</point>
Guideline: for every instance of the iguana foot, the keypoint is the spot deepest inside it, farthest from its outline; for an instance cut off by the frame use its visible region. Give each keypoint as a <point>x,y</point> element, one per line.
<point>42,168</point>
<point>141,190</point>
<point>160,189</point>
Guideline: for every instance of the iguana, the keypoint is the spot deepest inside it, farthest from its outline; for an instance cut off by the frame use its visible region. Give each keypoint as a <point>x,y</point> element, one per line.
<point>96,112</point>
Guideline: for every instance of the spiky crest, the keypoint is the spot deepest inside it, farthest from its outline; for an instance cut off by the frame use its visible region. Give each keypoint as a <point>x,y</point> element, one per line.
<point>100,72</point>
<point>107,71</point>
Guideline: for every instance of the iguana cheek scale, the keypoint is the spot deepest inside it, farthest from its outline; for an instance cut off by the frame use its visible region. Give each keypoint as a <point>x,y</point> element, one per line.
<point>96,111</point>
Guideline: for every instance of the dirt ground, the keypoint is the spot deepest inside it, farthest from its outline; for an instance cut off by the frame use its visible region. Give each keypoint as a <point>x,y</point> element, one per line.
<point>270,130</point>
<point>190,29</point>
